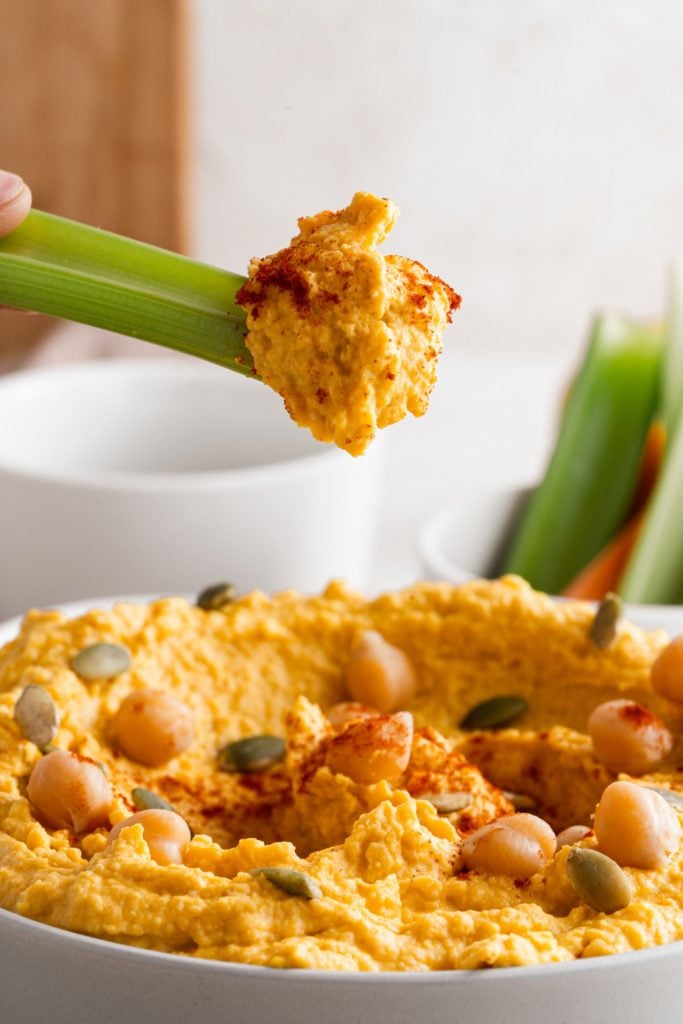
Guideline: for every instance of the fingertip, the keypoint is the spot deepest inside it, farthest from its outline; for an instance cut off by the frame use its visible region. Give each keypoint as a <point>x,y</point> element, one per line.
<point>15,201</point>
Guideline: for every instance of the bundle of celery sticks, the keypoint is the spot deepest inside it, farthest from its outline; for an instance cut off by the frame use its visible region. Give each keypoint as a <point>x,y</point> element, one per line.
<point>608,515</point>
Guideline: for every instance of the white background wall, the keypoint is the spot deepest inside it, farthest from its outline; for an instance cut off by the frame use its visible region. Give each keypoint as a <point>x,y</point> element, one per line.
<point>534,147</point>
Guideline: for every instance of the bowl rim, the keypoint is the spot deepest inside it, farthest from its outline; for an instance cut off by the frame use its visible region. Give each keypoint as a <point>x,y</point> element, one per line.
<point>437,564</point>
<point>291,468</point>
<point>430,532</point>
<point>176,961</point>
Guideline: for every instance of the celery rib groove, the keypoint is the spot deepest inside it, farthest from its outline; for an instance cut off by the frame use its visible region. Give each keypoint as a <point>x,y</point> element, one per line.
<point>65,269</point>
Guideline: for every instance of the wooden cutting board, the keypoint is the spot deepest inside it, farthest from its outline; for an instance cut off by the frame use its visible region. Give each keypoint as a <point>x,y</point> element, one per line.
<point>94,117</point>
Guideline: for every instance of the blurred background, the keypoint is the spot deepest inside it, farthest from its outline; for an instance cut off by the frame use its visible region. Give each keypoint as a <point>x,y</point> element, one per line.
<point>535,151</point>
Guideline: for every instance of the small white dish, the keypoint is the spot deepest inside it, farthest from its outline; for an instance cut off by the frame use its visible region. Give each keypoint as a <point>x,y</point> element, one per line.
<point>166,476</point>
<point>465,541</point>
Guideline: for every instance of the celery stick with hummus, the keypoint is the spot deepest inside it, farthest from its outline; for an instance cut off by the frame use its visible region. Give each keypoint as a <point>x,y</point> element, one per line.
<point>350,338</point>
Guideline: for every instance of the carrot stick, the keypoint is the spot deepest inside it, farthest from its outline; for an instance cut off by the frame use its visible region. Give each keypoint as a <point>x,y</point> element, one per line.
<point>603,573</point>
<point>650,464</point>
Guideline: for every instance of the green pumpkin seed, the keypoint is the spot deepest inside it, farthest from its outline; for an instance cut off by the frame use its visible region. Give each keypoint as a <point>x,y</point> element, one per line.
<point>670,795</point>
<point>448,803</point>
<point>146,800</point>
<point>252,754</point>
<point>598,880</point>
<point>603,628</point>
<point>291,881</point>
<point>217,596</point>
<point>494,713</point>
<point>521,801</point>
<point>101,661</point>
<point>36,714</point>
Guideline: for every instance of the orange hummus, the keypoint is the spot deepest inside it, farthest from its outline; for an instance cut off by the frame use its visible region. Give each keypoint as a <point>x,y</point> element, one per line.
<point>350,338</point>
<point>388,866</point>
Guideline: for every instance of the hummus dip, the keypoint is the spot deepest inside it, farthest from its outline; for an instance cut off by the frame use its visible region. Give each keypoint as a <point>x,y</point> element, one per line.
<point>350,338</point>
<point>363,871</point>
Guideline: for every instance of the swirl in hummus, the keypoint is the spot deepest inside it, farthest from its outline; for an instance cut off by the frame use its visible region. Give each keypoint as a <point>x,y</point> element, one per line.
<point>388,888</point>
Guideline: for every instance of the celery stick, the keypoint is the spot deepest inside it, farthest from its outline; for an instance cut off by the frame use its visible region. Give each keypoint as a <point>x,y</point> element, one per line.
<point>592,473</point>
<point>672,382</point>
<point>57,266</point>
<point>654,574</point>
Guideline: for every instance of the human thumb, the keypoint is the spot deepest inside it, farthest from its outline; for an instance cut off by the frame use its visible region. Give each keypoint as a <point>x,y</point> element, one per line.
<point>15,201</point>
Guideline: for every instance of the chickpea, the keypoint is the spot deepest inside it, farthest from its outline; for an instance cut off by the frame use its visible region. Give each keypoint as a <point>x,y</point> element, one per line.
<point>517,846</point>
<point>666,674</point>
<point>165,832</point>
<point>627,737</point>
<point>152,726</point>
<point>635,826</point>
<point>379,674</point>
<point>69,791</point>
<point>573,834</point>
<point>370,749</point>
<point>340,715</point>
<point>535,827</point>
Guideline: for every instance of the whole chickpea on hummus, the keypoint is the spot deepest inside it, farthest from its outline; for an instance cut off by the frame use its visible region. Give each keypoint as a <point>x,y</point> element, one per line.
<point>429,780</point>
<point>350,338</point>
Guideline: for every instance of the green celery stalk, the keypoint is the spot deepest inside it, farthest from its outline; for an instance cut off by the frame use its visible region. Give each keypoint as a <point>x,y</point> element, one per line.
<point>654,574</point>
<point>672,382</point>
<point>66,269</point>
<point>592,473</point>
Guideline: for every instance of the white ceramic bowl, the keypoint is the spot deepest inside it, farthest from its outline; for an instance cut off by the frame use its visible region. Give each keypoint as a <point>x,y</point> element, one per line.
<point>129,476</point>
<point>62,977</point>
<point>464,541</point>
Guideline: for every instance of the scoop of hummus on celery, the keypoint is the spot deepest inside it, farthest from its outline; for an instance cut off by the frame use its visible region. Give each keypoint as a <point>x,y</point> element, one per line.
<point>350,338</point>
<point>445,777</point>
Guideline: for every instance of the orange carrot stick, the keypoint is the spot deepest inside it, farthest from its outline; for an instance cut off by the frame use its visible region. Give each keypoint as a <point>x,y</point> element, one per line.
<point>651,462</point>
<point>603,573</point>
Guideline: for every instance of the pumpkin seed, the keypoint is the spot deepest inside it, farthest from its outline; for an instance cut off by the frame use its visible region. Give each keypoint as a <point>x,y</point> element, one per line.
<point>217,596</point>
<point>598,880</point>
<point>145,800</point>
<point>521,801</point>
<point>101,661</point>
<point>291,881</point>
<point>252,754</point>
<point>603,628</point>
<point>670,795</point>
<point>448,803</point>
<point>36,714</point>
<point>494,713</point>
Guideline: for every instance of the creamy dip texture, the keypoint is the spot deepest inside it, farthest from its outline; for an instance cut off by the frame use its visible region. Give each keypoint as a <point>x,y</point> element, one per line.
<point>388,885</point>
<point>350,338</point>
